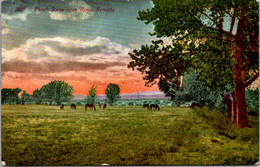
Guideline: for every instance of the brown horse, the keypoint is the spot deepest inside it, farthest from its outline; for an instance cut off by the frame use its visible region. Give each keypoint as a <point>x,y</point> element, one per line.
<point>146,106</point>
<point>196,104</point>
<point>90,105</point>
<point>104,106</point>
<point>154,106</point>
<point>62,106</point>
<point>73,106</point>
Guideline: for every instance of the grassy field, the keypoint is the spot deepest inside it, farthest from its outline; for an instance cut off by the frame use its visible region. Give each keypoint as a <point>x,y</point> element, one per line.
<point>126,135</point>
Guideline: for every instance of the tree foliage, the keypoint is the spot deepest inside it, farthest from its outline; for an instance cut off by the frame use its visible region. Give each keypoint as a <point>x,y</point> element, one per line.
<point>194,90</point>
<point>92,95</point>
<point>252,101</point>
<point>25,97</point>
<point>37,95</point>
<point>204,29</point>
<point>10,95</point>
<point>169,89</point>
<point>159,61</point>
<point>112,92</point>
<point>57,91</point>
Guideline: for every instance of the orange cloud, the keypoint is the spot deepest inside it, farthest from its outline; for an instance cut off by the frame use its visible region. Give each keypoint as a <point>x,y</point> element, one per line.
<point>79,63</point>
<point>129,82</point>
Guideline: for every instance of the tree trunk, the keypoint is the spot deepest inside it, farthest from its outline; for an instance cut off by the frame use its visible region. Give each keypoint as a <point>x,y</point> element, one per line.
<point>233,107</point>
<point>228,102</point>
<point>239,74</point>
<point>179,84</point>
<point>241,114</point>
<point>237,105</point>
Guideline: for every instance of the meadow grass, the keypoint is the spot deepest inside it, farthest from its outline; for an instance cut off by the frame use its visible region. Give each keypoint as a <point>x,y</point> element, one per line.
<point>124,135</point>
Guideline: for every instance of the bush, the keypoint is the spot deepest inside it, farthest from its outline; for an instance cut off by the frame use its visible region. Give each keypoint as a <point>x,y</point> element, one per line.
<point>79,103</point>
<point>195,91</point>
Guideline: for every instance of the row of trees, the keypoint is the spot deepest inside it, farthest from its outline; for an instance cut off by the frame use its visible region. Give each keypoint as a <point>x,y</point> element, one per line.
<point>220,39</point>
<point>9,95</point>
<point>60,91</point>
<point>55,91</point>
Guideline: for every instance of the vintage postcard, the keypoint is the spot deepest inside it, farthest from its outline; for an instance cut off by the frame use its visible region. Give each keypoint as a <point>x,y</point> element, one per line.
<point>129,82</point>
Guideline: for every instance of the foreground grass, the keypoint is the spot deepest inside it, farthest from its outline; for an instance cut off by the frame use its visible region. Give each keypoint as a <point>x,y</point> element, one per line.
<point>128,135</point>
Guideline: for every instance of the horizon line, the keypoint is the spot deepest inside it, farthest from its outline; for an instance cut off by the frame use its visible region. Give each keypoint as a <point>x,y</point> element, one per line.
<point>126,93</point>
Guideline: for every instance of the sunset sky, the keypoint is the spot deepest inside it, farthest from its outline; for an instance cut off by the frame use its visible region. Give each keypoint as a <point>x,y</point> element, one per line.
<point>82,48</point>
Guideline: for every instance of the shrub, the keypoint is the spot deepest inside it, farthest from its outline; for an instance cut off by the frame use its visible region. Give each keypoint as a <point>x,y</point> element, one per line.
<point>195,91</point>
<point>79,103</point>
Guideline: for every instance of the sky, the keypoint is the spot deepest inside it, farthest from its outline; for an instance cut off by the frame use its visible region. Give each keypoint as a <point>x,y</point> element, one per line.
<point>81,42</point>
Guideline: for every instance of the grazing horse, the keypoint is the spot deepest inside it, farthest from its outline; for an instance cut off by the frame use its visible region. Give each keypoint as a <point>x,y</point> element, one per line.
<point>62,106</point>
<point>73,106</point>
<point>196,104</point>
<point>146,106</point>
<point>100,105</point>
<point>154,106</point>
<point>90,105</point>
<point>104,106</point>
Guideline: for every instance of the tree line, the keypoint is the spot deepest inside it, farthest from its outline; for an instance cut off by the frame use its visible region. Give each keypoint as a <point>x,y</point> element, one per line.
<point>55,91</point>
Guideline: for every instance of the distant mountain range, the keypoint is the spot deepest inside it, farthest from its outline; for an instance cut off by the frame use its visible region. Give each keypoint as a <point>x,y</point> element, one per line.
<point>129,96</point>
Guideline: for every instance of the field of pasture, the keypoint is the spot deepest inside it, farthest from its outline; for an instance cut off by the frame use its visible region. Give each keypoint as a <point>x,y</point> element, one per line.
<point>124,135</point>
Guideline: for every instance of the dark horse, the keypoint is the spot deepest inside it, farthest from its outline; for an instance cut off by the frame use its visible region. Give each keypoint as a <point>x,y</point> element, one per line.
<point>62,106</point>
<point>73,106</point>
<point>90,105</point>
<point>154,106</point>
<point>104,106</point>
<point>196,104</point>
<point>146,106</point>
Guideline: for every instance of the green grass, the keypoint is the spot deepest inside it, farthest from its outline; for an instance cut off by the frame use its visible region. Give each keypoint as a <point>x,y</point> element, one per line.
<point>125,135</point>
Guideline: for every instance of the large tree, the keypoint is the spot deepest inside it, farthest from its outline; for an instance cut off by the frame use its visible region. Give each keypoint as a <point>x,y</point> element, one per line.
<point>57,91</point>
<point>112,92</point>
<point>159,61</point>
<point>221,38</point>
